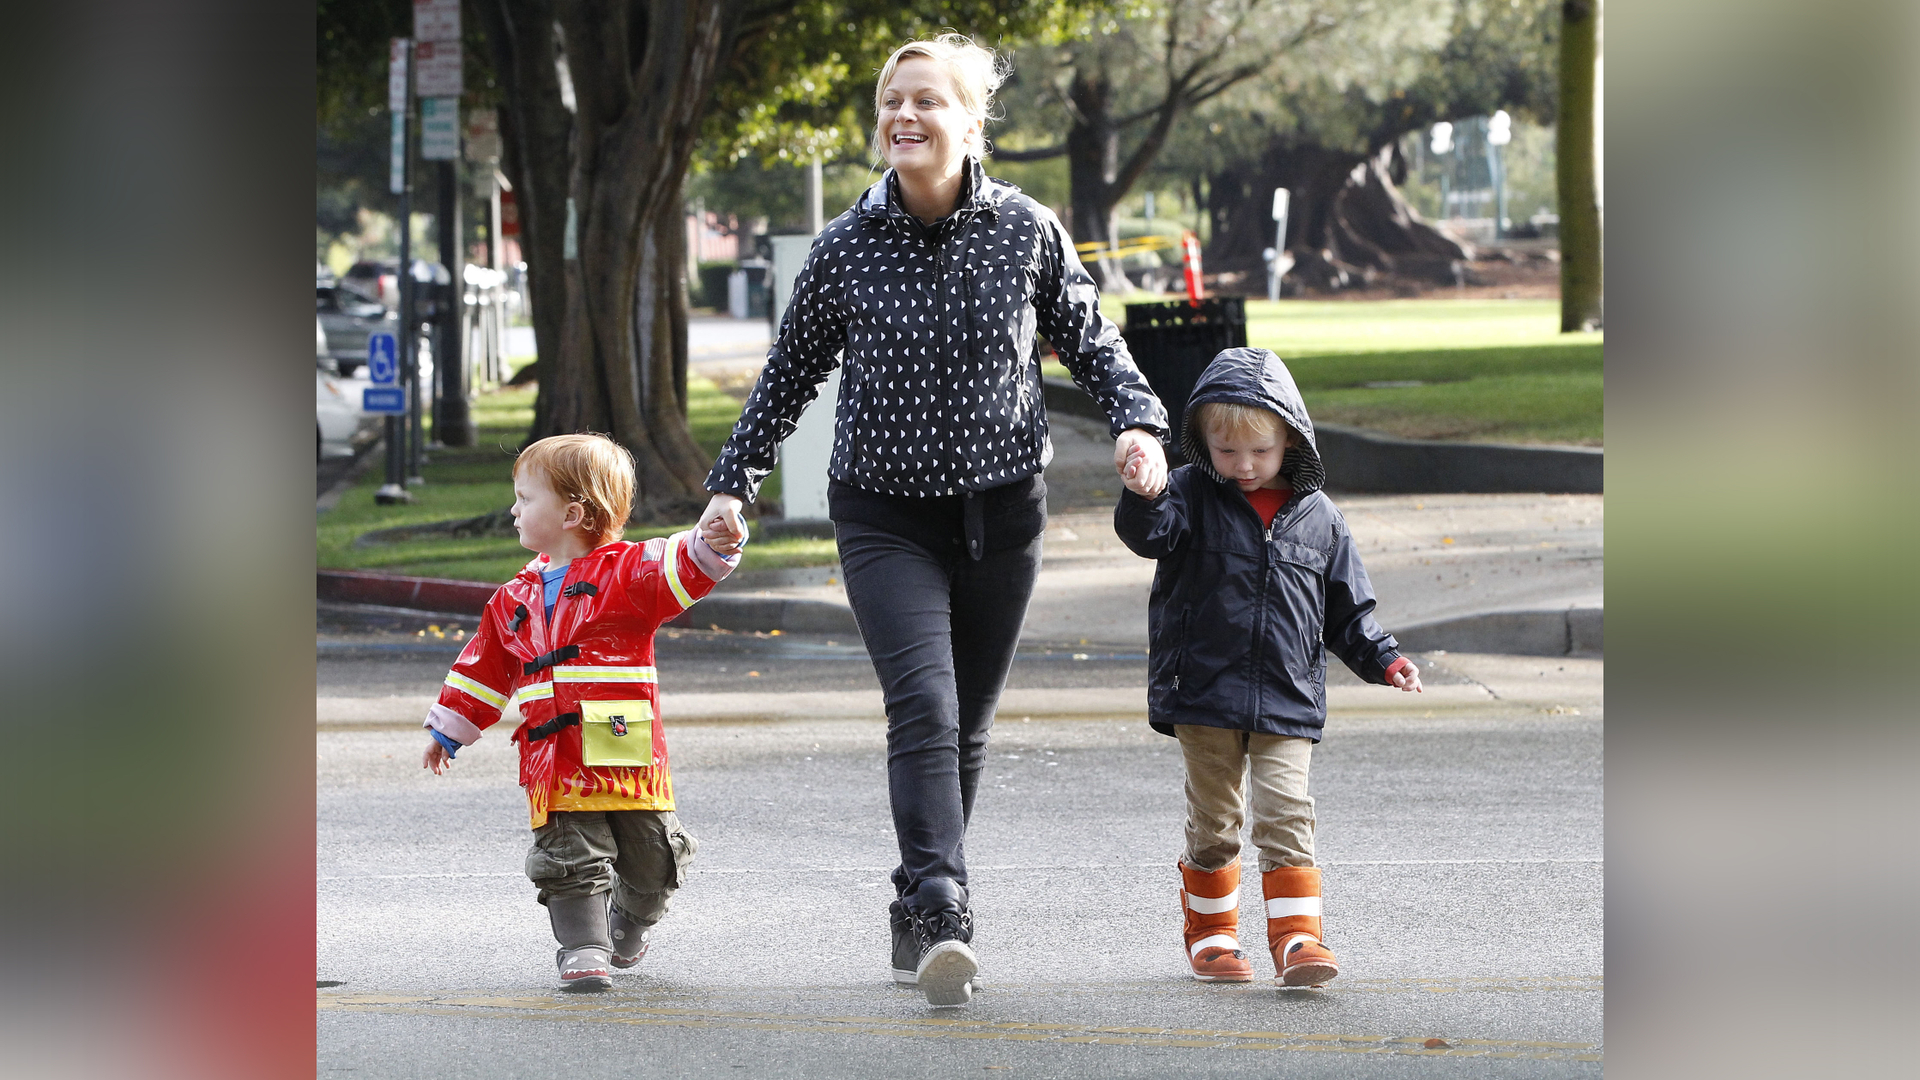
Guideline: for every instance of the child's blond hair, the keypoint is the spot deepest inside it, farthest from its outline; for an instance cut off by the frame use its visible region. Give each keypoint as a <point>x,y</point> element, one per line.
<point>591,470</point>
<point>1232,420</point>
<point>976,71</point>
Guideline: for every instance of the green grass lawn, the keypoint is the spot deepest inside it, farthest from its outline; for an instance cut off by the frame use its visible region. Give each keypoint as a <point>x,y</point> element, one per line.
<point>1492,370</point>
<point>467,482</point>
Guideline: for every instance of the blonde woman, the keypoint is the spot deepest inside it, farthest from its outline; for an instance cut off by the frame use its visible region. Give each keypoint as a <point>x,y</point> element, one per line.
<point>930,291</point>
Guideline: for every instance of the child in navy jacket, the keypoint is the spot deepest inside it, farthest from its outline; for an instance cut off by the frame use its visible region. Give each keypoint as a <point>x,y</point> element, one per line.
<point>1258,577</point>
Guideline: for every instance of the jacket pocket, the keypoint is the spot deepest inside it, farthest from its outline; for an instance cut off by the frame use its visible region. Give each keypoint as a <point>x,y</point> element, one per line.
<point>684,847</point>
<point>851,410</point>
<point>616,733</point>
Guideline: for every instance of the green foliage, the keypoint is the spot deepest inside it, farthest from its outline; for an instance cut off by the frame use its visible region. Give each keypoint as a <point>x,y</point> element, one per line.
<point>801,82</point>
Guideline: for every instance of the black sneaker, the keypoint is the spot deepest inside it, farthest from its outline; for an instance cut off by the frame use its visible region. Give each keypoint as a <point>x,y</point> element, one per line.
<point>942,929</point>
<point>906,948</point>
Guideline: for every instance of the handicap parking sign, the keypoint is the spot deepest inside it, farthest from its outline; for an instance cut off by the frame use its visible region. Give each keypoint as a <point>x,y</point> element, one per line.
<point>383,365</point>
<point>383,399</point>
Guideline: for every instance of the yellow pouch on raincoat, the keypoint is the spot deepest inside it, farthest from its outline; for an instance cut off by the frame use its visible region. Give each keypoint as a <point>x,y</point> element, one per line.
<point>616,733</point>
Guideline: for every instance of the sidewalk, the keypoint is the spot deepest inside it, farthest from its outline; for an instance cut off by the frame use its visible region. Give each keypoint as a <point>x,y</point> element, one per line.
<point>1434,559</point>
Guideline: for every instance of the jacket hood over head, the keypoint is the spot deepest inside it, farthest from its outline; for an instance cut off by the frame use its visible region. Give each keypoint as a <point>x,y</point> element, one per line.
<point>1258,378</point>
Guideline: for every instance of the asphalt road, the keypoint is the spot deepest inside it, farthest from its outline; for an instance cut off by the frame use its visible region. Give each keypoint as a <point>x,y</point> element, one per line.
<point>1462,847</point>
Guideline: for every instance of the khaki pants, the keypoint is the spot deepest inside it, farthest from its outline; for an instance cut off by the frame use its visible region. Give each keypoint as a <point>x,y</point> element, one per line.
<point>1218,763</point>
<point>641,855</point>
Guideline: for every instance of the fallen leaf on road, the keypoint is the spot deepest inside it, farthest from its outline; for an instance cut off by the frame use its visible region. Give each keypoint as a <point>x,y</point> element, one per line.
<point>1435,1044</point>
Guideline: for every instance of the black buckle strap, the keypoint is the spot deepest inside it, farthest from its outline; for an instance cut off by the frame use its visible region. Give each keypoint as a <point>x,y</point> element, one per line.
<point>581,588</point>
<point>547,660</point>
<point>519,619</point>
<point>553,726</point>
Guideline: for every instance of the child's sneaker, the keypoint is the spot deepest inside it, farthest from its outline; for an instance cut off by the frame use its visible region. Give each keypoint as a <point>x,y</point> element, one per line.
<point>1293,926</point>
<point>585,969</point>
<point>1210,903</point>
<point>585,955</point>
<point>1302,960</point>
<point>630,939</point>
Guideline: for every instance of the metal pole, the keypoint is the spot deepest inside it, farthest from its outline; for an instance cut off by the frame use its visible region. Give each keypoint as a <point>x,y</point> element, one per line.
<point>815,212</point>
<point>395,489</point>
<point>452,419</point>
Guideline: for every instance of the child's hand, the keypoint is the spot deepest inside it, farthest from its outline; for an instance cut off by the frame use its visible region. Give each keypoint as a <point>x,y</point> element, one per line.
<point>436,757</point>
<point>721,526</point>
<point>1408,679</point>
<point>1141,462</point>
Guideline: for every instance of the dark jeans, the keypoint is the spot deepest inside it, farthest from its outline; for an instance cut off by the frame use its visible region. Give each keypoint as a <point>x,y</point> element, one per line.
<point>939,587</point>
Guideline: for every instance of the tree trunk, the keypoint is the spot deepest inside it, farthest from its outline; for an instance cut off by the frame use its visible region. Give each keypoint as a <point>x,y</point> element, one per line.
<point>1581,281</point>
<point>1093,164</point>
<point>1347,224</point>
<point>642,75</point>
<point>536,130</point>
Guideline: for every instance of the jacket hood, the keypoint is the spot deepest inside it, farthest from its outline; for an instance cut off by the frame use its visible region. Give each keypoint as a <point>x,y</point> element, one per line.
<point>1255,377</point>
<point>983,193</point>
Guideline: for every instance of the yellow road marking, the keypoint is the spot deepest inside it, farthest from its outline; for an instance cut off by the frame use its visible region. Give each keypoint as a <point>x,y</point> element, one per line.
<point>607,1009</point>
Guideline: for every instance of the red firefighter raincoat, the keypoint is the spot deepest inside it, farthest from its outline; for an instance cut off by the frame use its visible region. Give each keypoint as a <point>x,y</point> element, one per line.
<point>599,648</point>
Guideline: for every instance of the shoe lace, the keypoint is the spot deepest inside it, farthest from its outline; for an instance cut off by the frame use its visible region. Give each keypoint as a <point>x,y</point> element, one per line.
<point>930,927</point>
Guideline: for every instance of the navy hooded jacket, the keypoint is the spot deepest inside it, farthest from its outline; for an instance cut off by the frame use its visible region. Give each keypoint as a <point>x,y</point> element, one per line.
<point>1242,613</point>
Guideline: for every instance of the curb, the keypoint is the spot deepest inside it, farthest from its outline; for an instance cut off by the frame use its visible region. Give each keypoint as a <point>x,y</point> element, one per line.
<point>469,598</point>
<point>1358,460</point>
<point>1575,631</point>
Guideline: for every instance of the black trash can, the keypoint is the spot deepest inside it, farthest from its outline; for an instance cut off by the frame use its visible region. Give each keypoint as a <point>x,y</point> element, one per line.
<point>1173,342</point>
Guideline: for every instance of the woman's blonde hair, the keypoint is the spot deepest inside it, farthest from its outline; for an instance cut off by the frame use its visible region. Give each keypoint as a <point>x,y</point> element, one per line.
<point>976,71</point>
<point>592,470</point>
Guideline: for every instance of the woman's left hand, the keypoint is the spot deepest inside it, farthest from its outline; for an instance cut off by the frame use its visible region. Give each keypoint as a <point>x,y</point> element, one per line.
<point>1141,462</point>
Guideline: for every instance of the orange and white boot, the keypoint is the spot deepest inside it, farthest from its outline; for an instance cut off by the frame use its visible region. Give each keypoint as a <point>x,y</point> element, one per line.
<point>1293,926</point>
<point>1212,906</point>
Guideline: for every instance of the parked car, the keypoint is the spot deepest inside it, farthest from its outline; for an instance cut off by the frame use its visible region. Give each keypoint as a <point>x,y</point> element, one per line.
<point>380,280</point>
<point>348,317</point>
<point>337,411</point>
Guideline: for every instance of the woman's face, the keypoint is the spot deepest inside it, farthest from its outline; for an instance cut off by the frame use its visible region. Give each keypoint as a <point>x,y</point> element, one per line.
<point>924,130</point>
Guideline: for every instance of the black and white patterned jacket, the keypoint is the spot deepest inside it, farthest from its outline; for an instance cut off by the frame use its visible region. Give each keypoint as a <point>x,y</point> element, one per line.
<point>941,391</point>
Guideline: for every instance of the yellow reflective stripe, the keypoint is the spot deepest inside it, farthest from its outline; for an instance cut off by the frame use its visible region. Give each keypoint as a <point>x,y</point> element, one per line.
<point>533,690</point>
<point>594,673</point>
<point>680,592</point>
<point>492,697</point>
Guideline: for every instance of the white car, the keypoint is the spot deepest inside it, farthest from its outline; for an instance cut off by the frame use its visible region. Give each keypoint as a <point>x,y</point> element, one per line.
<point>337,409</point>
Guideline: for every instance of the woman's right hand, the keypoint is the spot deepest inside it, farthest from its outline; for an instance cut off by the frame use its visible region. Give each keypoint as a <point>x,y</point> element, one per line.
<point>721,526</point>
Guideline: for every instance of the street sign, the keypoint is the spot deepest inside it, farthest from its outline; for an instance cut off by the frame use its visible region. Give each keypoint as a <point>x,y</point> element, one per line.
<point>483,136</point>
<point>383,363</point>
<point>439,128</point>
<point>436,20</point>
<point>397,154</point>
<point>509,213</point>
<point>384,399</point>
<point>397,51</point>
<point>436,69</point>
<point>399,54</point>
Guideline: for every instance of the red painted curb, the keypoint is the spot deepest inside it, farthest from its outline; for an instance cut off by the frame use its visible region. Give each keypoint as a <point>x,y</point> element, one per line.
<point>394,590</point>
